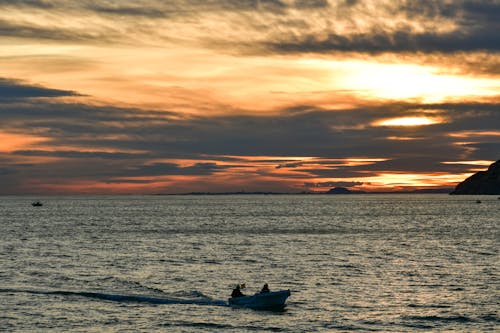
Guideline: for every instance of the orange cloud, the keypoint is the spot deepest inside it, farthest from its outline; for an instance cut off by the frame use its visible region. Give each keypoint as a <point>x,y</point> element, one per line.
<point>468,134</point>
<point>10,141</point>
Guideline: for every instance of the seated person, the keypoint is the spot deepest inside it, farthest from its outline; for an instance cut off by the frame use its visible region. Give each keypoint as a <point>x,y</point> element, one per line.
<point>265,289</point>
<point>237,292</point>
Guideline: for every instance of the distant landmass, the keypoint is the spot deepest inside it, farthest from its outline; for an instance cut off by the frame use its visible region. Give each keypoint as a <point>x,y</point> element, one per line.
<point>233,193</point>
<point>339,190</point>
<point>335,190</point>
<point>343,190</point>
<point>482,182</point>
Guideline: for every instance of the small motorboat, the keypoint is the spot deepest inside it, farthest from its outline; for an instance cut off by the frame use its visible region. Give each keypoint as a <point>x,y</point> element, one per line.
<point>273,300</point>
<point>37,204</point>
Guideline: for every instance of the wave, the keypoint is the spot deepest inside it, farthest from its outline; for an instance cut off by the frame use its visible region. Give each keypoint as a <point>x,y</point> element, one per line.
<point>435,318</point>
<point>122,298</point>
<point>130,284</point>
<point>219,327</point>
<point>492,317</point>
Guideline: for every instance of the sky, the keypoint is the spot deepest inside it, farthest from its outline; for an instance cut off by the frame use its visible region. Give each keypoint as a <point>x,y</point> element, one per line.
<point>178,96</point>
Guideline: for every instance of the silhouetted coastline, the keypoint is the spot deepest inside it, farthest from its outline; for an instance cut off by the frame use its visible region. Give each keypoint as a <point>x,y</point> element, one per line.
<point>482,182</point>
<point>333,191</point>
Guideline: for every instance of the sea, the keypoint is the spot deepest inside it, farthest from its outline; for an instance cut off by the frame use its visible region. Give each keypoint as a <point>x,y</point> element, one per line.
<point>168,263</point>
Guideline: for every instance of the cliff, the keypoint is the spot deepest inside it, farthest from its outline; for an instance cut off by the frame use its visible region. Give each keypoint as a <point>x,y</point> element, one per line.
<point>482,182</point>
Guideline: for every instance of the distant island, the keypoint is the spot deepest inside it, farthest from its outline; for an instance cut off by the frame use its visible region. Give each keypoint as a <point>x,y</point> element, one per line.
<point>482,182</point>
<point>343,190</point>
<point>332,191</point>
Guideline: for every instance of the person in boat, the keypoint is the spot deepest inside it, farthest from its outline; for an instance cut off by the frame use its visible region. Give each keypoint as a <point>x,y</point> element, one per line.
<point>265,289</point>
<point>237,292</point>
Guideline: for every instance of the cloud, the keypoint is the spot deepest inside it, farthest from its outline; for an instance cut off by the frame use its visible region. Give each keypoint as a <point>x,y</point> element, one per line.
<point>394,165</point>
<point>289,165</point>
<point>42,4</point>
<point>11,90</point>
<point>430,26</point>
<point>168,169</point>
<point>390,27</point>
<point>333,184</point>
<point>316,132</point>
<point>72,154</point>
<point>236,91</point>
<point>137,146</point>
<point>150,12</point>
<point>390,41</point>
<point>264,26</point>
<point>311,4</point>
<point>7,171</point>
<point>32,31</point>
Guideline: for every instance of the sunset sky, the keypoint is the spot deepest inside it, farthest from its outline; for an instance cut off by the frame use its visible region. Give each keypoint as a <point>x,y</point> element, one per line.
<point>179,96</point>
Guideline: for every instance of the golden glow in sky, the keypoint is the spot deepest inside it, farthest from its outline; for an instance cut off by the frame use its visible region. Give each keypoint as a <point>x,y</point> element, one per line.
<point>425,83</point>
<point>286,96</point>
<point>408,121</point>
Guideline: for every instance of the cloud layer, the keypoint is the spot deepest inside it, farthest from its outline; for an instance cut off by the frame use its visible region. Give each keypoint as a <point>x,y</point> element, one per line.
<point>284,95</point>
<point>109,145</point>
<point>280,26</point>
<point>11,90</point>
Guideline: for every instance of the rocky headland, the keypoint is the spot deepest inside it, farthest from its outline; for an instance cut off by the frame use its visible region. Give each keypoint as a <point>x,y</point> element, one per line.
<point>482,182</point>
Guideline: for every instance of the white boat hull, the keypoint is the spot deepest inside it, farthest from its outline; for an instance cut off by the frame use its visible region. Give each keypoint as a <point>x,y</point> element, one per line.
<point>270,300</point>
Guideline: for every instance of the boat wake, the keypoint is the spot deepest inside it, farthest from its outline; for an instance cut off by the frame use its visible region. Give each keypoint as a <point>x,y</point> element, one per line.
<point>201,300</point>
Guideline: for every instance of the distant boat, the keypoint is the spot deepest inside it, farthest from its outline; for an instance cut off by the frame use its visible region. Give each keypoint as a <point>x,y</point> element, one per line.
<point>273,300</point>
<point>478,201</point>
<point>37,204</point>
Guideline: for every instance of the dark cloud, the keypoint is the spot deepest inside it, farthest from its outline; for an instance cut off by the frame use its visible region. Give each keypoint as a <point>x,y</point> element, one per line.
<point>195,8</point>
<point>422,163</point>
<point>483,11</point>
<point>476,25</point>
<point>351,3</point>
<point>169,169</point>
<point>275,6</point>
<point>41,4</point>
<point>130,181</point>
<point>160,9</point>
<point>81,154</point>
<point>465,12</point>
<point>322,133</point>
<point>127,143</point>
<point>155,8</point>
<point>151,12</point>
<point>390,41</point>
<point>333,184</point>
<point>485,150</point>
<point>7,171</point>
<point>289,165</point>
<point>26,30</point>
<point>12,90</point>
<point>311,4</point>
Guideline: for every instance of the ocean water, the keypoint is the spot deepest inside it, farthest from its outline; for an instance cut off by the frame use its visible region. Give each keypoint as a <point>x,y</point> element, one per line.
<point>364,263</point>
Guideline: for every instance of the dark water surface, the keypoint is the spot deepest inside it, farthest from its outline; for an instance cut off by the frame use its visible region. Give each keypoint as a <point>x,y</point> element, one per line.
<point>167,263</point>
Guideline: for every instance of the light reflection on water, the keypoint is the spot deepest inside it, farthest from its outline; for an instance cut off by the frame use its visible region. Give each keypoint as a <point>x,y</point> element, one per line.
<point>359,262</point>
